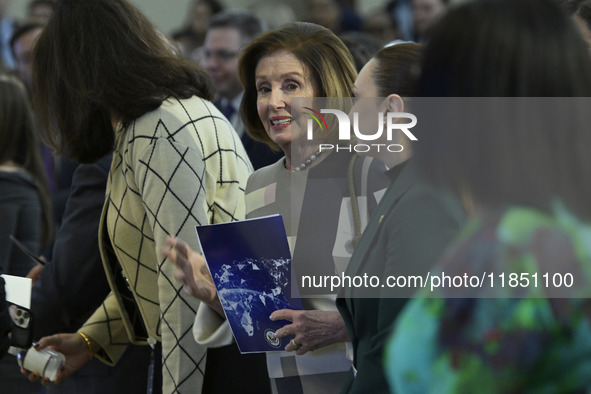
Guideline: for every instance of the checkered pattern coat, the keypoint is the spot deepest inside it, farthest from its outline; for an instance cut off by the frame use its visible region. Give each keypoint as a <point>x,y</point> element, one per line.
<point>179,166</point>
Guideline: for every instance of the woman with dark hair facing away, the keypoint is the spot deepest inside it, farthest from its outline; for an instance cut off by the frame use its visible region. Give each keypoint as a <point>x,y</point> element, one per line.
<point>529,183</point>
<point>105,79</point>
<point>191,35</point>
<point>25,210</point>
<point>298,60</point>
<point>411,226</point>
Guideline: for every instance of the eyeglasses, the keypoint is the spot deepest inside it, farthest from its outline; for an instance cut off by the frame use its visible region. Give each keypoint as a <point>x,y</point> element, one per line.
<point>223,55</point>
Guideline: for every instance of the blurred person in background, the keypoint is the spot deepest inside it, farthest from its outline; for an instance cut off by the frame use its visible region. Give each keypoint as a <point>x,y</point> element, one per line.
<point>401,12</point>
<point>334,15</point>
<point>227,35</point>
<point>273,13</point>
<point>192,34</point>
<point>26,210</point>
<point>7,26</point>
<point>425,13</point>
<point>59,170</point>
<point>25,206</point>
<point>362,46</point>
<point>22,44</point>
<point>382,25</point>
<point>40,10</point>
<point>528,179</point>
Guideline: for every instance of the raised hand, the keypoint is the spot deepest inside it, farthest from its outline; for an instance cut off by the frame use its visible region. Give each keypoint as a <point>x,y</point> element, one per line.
<point>193,273</point>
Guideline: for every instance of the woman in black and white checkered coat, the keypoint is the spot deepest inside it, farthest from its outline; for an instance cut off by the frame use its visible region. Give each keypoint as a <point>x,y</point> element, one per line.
<point>106,79</point>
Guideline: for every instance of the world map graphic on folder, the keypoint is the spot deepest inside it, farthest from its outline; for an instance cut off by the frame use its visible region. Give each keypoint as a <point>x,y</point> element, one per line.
<point>250,263</point>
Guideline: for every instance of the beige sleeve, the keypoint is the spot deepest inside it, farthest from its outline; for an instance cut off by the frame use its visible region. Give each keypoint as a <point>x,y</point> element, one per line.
<point>210,329</point>
<point>106,327</point>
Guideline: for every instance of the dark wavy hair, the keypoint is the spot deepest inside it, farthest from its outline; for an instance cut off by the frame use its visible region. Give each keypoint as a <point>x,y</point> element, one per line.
<point>322,53</point>
<point>103,59</point>
<point>486,49</point>
<point>19,143</point>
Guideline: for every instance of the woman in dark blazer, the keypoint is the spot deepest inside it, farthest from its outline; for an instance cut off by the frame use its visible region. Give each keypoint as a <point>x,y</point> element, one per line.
<point>406,234</point>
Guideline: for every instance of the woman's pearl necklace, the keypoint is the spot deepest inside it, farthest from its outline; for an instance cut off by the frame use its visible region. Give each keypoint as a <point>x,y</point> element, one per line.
<point>307,163</point>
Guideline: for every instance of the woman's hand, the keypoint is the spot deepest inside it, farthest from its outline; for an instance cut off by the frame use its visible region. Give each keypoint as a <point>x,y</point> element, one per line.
<point>193,272</point>
<point>312,329</point>
<point>73,346</point>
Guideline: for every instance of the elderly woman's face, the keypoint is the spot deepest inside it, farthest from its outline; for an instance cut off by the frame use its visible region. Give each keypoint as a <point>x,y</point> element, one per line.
<point>279,78</point>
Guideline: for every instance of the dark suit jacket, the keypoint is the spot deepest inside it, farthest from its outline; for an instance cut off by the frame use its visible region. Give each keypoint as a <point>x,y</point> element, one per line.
<point>405,236</point>
<point>73,285</point>
<point>260,154</point>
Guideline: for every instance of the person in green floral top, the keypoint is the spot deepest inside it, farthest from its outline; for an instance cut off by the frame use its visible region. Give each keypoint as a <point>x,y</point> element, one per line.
<point>501,344</point>
<point>529,184</point>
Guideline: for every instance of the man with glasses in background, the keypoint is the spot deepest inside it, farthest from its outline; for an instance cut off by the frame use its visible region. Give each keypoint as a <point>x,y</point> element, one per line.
<point>226,34</point>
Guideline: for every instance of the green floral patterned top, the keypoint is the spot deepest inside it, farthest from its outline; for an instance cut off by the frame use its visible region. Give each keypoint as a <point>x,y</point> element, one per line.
<point>528,336</point>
